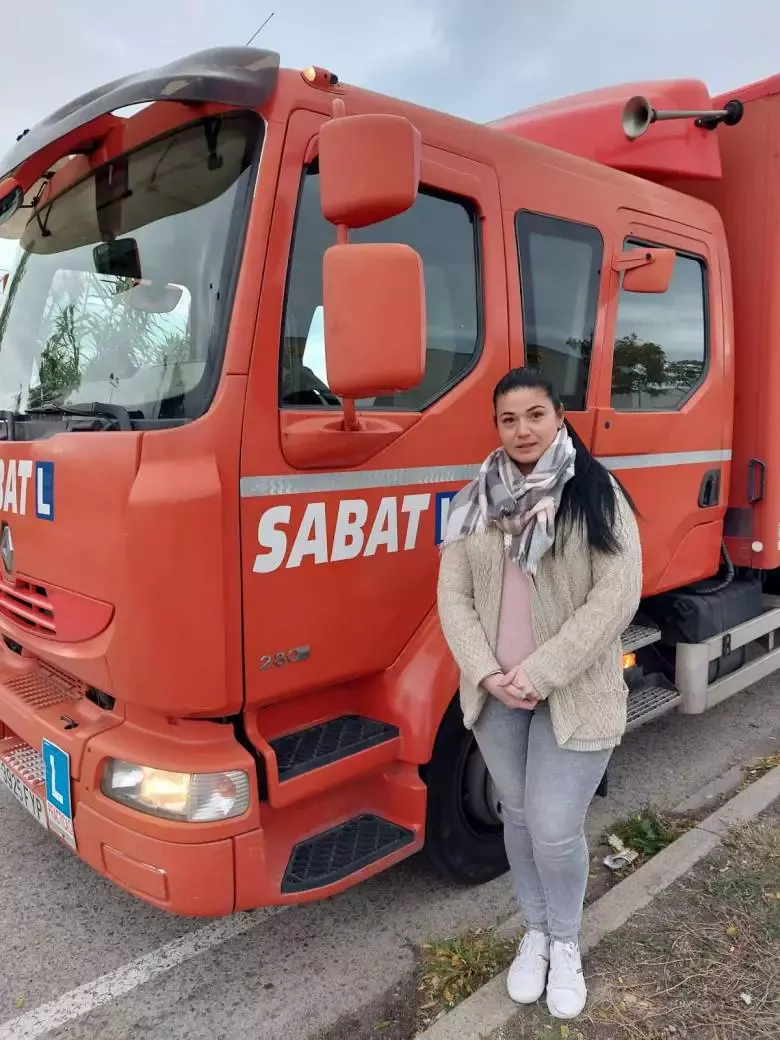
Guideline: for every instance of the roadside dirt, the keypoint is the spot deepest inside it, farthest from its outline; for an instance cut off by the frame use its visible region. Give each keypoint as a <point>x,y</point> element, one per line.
<point>702,962</point>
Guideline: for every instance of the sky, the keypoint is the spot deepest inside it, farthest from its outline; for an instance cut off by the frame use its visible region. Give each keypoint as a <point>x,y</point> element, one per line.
<point>480,60</point>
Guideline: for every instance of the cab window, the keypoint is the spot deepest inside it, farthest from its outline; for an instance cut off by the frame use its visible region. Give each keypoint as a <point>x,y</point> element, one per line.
<point>444,231</point>
<point>660,351</point>
<point>560,265</point>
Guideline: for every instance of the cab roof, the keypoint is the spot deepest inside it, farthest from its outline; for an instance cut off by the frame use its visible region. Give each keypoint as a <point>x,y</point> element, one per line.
<point>241,77</point>
<point>589,125</point>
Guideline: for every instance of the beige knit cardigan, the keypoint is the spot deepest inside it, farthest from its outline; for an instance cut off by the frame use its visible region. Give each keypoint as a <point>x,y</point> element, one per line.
<point>583,602</point>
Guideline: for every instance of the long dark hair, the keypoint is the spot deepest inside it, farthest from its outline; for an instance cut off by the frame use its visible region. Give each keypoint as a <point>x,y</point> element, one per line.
<point>589,500</point>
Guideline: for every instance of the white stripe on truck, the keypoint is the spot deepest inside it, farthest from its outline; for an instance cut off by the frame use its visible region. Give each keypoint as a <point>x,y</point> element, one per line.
<point>674,458</point>
<point>364,480</point>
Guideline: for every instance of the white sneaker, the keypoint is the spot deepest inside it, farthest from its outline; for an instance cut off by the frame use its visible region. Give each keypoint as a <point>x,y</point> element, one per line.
<point>528,971</point>
<point>566,989</point>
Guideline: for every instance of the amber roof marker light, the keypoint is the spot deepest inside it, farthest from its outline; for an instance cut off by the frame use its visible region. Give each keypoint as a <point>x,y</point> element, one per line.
<point>639,115</point>
<point>319,77</point>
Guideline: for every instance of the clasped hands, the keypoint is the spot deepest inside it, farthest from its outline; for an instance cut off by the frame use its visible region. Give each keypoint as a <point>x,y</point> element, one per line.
<point>513,688</point>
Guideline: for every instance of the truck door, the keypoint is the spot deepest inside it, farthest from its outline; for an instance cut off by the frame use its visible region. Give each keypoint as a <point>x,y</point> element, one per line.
<point>664,417</point>
<point>339,528</point>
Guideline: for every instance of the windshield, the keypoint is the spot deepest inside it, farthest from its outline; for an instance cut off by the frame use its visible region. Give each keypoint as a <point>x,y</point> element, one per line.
<point>120,286</point>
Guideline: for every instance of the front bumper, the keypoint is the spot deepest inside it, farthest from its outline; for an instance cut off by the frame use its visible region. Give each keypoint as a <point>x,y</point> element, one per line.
<point>179,867</point>
<point>203,869</point>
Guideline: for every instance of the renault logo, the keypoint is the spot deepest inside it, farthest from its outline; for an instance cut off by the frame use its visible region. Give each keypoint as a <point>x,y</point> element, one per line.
<point>7,549</point>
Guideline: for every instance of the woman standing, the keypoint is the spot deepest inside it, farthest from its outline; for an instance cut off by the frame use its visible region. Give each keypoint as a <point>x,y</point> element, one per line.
<point>541,572</point>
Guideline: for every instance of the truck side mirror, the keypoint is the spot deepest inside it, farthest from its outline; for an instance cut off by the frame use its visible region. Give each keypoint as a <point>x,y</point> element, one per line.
<point>375,324</point>
<point>646,270</point>
<point>369,168</point>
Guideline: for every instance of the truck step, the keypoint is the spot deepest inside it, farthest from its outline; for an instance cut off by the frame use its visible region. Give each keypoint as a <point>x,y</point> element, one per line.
<point>636,636</point>
<point>23,759</point>
<point>336,853</point>
<point>327,742</point>
<point>650,702</point>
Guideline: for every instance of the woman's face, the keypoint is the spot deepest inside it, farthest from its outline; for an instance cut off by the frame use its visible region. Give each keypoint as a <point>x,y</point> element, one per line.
<point>527,423</point>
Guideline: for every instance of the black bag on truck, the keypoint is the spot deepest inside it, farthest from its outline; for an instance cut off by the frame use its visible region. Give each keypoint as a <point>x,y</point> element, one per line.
<point>691,615</point>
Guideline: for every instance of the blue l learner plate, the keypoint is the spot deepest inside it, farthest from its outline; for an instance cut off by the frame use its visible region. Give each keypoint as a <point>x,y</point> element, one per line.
<point>59,807</point>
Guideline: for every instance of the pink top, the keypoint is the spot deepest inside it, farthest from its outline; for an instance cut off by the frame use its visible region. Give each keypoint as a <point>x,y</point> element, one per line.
<point>515,626</point>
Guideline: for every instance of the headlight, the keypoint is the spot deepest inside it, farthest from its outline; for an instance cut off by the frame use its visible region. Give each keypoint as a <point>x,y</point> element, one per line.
<point>193,797</point>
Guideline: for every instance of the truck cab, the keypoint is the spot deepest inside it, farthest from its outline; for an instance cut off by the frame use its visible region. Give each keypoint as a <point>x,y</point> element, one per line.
<point>247,355</point>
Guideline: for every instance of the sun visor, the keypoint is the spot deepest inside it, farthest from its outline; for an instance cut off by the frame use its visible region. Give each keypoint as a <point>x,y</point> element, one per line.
<point>167,178</point>
<point>13,228</point>
<point>241,77</point>
<point>69,227</point>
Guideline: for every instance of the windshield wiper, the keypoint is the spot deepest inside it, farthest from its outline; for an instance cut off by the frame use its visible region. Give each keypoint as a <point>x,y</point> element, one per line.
<point>93,410</point>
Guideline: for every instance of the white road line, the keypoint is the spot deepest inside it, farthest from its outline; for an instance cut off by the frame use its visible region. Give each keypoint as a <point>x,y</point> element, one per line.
<point>83,999</point>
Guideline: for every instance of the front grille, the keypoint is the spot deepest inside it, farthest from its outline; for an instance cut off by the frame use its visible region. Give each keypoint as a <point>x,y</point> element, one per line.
<point>46,686</point>
<point>27,605</point>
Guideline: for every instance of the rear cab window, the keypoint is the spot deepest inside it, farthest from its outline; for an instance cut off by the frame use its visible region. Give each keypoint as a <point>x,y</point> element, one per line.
<point>661,350</point>
<point>560,267</point>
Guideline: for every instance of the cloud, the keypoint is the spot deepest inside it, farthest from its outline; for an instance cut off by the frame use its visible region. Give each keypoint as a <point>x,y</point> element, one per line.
<point>479,60</point>
<point>496,57</point>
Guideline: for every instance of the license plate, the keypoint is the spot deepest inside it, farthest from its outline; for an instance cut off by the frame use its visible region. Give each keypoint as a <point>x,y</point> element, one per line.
<point>24,794</point>
<point>59,807</point>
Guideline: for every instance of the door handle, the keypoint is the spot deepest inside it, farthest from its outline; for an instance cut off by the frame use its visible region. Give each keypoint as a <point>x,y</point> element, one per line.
<point>756,480</point>
<point>709,492</point>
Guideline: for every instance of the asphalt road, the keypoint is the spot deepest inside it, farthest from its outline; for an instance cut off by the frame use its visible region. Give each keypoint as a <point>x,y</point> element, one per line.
<point>80,959</point>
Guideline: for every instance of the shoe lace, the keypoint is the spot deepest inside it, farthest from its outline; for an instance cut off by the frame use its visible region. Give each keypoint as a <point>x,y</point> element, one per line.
<point>569,954</point>
<point>531,948</point>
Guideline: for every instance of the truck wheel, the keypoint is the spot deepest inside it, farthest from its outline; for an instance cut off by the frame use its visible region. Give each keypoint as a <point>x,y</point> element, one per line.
<point>464,835</point>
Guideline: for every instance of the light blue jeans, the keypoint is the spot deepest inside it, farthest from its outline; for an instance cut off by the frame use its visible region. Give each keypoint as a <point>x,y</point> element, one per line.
<point>545,792</point>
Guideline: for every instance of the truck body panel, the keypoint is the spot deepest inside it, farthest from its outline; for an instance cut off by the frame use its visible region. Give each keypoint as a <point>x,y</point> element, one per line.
<point>749,205</point>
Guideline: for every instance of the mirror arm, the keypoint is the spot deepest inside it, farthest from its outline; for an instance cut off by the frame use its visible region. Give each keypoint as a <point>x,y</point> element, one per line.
<point>351,418</point>
<point>631,259</point>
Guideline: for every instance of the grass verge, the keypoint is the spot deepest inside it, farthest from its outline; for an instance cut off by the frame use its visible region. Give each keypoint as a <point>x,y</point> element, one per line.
<point>760,768</point>
<point>702,962</point>
<point>648,831</point>
<point>454,968</point>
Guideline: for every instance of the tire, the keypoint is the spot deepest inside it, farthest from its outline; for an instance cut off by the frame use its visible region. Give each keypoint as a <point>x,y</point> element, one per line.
<point>464,838</point>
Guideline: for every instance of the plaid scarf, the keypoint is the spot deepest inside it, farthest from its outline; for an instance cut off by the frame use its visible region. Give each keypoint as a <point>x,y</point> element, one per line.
<point>524,507</point>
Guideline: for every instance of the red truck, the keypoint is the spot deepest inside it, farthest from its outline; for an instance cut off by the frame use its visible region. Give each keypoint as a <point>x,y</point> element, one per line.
<point>246,359</point>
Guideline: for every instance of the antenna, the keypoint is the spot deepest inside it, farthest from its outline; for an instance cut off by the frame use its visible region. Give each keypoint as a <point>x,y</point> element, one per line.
<point>255,35</point>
